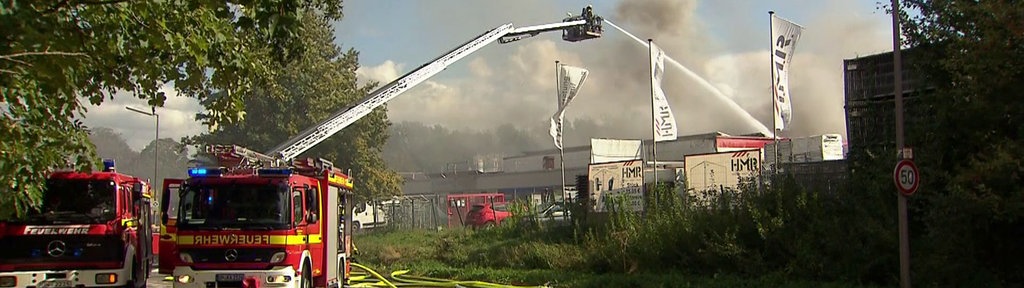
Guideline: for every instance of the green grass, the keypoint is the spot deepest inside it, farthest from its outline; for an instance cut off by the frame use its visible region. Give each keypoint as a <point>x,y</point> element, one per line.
<point>512,257</point>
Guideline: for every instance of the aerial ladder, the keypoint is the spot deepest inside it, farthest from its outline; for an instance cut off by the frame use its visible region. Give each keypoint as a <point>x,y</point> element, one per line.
<point>585,26</point>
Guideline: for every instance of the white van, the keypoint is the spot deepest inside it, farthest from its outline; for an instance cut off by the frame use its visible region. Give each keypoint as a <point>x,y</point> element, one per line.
<point>366,217</point>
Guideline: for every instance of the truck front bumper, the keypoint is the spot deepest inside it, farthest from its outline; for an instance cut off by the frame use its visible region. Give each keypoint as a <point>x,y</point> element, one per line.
<point>67,278</point>
<point>279,277</point>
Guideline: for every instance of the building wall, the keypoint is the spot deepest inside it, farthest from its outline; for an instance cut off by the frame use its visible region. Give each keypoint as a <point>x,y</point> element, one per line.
<point>676,150</point>
<point>574,158</point>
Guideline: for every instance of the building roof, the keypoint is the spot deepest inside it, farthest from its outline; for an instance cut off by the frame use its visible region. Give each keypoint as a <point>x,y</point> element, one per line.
<point>587,147</point>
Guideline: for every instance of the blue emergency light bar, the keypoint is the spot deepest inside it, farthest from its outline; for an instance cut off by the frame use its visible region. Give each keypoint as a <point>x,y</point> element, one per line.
<point>204,172</point>
<point>274,172</point>
<point>108,165</point>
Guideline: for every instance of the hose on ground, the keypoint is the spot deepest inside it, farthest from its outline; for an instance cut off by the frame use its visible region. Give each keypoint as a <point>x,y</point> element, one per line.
<point>401,279</point>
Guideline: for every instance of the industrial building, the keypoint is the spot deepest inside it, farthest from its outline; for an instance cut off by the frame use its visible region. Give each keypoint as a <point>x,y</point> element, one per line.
<point>537,172</point>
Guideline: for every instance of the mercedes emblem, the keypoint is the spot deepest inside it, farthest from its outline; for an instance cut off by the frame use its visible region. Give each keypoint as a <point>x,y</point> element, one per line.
<point>56,248</point>
<point>231,255</point>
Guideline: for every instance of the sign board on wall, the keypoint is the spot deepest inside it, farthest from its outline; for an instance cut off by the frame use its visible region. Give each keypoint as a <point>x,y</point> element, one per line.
<point>612,150</point>
<point>617,178</point>
<point>721,170</point>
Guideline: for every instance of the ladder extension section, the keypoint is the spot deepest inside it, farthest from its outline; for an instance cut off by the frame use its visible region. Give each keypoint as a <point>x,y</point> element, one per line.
<point>585,26</point>
<point>312,136</point>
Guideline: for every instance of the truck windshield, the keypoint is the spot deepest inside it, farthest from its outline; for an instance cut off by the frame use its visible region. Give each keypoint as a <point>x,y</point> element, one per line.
<point>76,201</point>
<point>234,206</point>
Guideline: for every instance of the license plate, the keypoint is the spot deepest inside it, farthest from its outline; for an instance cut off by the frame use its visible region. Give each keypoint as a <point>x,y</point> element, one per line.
<point>55,283</point>
<point>230,277</point>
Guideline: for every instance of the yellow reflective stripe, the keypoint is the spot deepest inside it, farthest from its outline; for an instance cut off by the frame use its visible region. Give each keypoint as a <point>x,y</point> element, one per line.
<point>248,239</point>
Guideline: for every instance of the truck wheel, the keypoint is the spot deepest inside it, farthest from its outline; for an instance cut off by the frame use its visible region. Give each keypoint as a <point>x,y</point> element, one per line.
<point>307,277</point>
<point>357,226</point>
<point>138,276</point>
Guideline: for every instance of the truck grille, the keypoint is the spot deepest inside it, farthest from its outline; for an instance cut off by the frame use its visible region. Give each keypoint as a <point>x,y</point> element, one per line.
<point>231,255</point>
<point>61,248</point>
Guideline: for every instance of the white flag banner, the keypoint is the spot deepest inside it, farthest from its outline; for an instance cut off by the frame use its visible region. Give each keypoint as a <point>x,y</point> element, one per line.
<point>664,122</point>
<point>570,79</point>
<point>556,129</point>
<point>786,35</point>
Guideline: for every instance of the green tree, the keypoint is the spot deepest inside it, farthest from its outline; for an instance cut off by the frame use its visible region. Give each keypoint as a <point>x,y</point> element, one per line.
<point>970,211</point>
<point>57,54</point>
<point>320,82</point>
<point>173,162</point>
<point>112,145</point>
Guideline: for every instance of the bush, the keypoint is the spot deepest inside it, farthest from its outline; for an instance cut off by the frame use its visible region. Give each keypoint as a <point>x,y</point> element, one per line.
<point>771,229</point>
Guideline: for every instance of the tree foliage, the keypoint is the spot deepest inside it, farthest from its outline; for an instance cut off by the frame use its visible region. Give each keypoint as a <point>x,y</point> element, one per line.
<point>969,215</point>
<point>319,82</point>
<point>174,157</point>
<point>57,54</point>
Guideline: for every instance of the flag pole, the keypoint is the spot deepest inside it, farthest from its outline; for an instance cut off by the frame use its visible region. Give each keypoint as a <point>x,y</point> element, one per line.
<point>561,130</point>
<point>654,129</point>
<point>775,96</point>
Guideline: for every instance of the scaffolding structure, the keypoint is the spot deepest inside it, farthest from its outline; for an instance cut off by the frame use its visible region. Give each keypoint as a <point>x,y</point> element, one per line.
<point>870,109</point>
<point>823,177</point>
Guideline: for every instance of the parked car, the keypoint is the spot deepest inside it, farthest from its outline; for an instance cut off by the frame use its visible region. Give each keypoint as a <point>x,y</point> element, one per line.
<point>555,211</point>
<point>485,215</point>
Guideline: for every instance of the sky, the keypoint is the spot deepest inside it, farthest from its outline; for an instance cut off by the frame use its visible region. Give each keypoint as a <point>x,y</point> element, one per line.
<point>724,41</point>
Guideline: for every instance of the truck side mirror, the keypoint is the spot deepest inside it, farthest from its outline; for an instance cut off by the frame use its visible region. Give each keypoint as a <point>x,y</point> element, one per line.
<point>137,190</point>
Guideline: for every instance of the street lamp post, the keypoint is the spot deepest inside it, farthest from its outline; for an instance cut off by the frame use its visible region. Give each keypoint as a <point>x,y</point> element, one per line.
<point>156,143</point>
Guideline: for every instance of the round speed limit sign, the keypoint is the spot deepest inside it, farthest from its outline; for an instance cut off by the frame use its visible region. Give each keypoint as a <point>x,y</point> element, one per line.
<point>906,177</point>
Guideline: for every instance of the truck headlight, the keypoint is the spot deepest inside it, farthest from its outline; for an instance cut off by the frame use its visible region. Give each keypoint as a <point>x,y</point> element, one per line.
<point>185,257</point>
<point>106,278</point>
<point>279,279</point>
<point>184,279</point>
<point>277,257</point>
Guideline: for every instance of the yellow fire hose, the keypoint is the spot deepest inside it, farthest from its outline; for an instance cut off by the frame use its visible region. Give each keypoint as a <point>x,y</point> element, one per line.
<point>402,280</point>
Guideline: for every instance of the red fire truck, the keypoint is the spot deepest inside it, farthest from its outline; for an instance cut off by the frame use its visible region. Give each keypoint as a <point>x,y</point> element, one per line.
<point>252,226</point>
<point>93,229</point>
<point>263,219</point>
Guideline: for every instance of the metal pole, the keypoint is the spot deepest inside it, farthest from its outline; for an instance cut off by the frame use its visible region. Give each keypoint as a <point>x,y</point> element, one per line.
<point>156,150</point>
<point>561,153</point>
<point>433,214</point>
<point>654,137</point>
<point>156,143</point>
<point>775,96</point>
<point>904,230</point>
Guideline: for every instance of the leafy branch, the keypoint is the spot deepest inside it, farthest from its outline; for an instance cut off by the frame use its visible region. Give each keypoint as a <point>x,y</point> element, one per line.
<point>64,3</point>
<point>12,57</point>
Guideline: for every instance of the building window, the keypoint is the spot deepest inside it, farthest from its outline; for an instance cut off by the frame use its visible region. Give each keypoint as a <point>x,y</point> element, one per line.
<point>549,163</point>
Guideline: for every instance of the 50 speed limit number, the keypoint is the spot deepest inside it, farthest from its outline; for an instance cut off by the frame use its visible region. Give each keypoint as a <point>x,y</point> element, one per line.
<point>906,177</point>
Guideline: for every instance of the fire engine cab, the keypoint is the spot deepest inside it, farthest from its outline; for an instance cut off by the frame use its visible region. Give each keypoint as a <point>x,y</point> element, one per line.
<point>92,230</point>
<point>273,226</point>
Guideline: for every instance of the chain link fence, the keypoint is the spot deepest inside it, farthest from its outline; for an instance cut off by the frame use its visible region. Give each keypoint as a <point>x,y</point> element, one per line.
<point>431,212</point>
<point>416,212</point>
